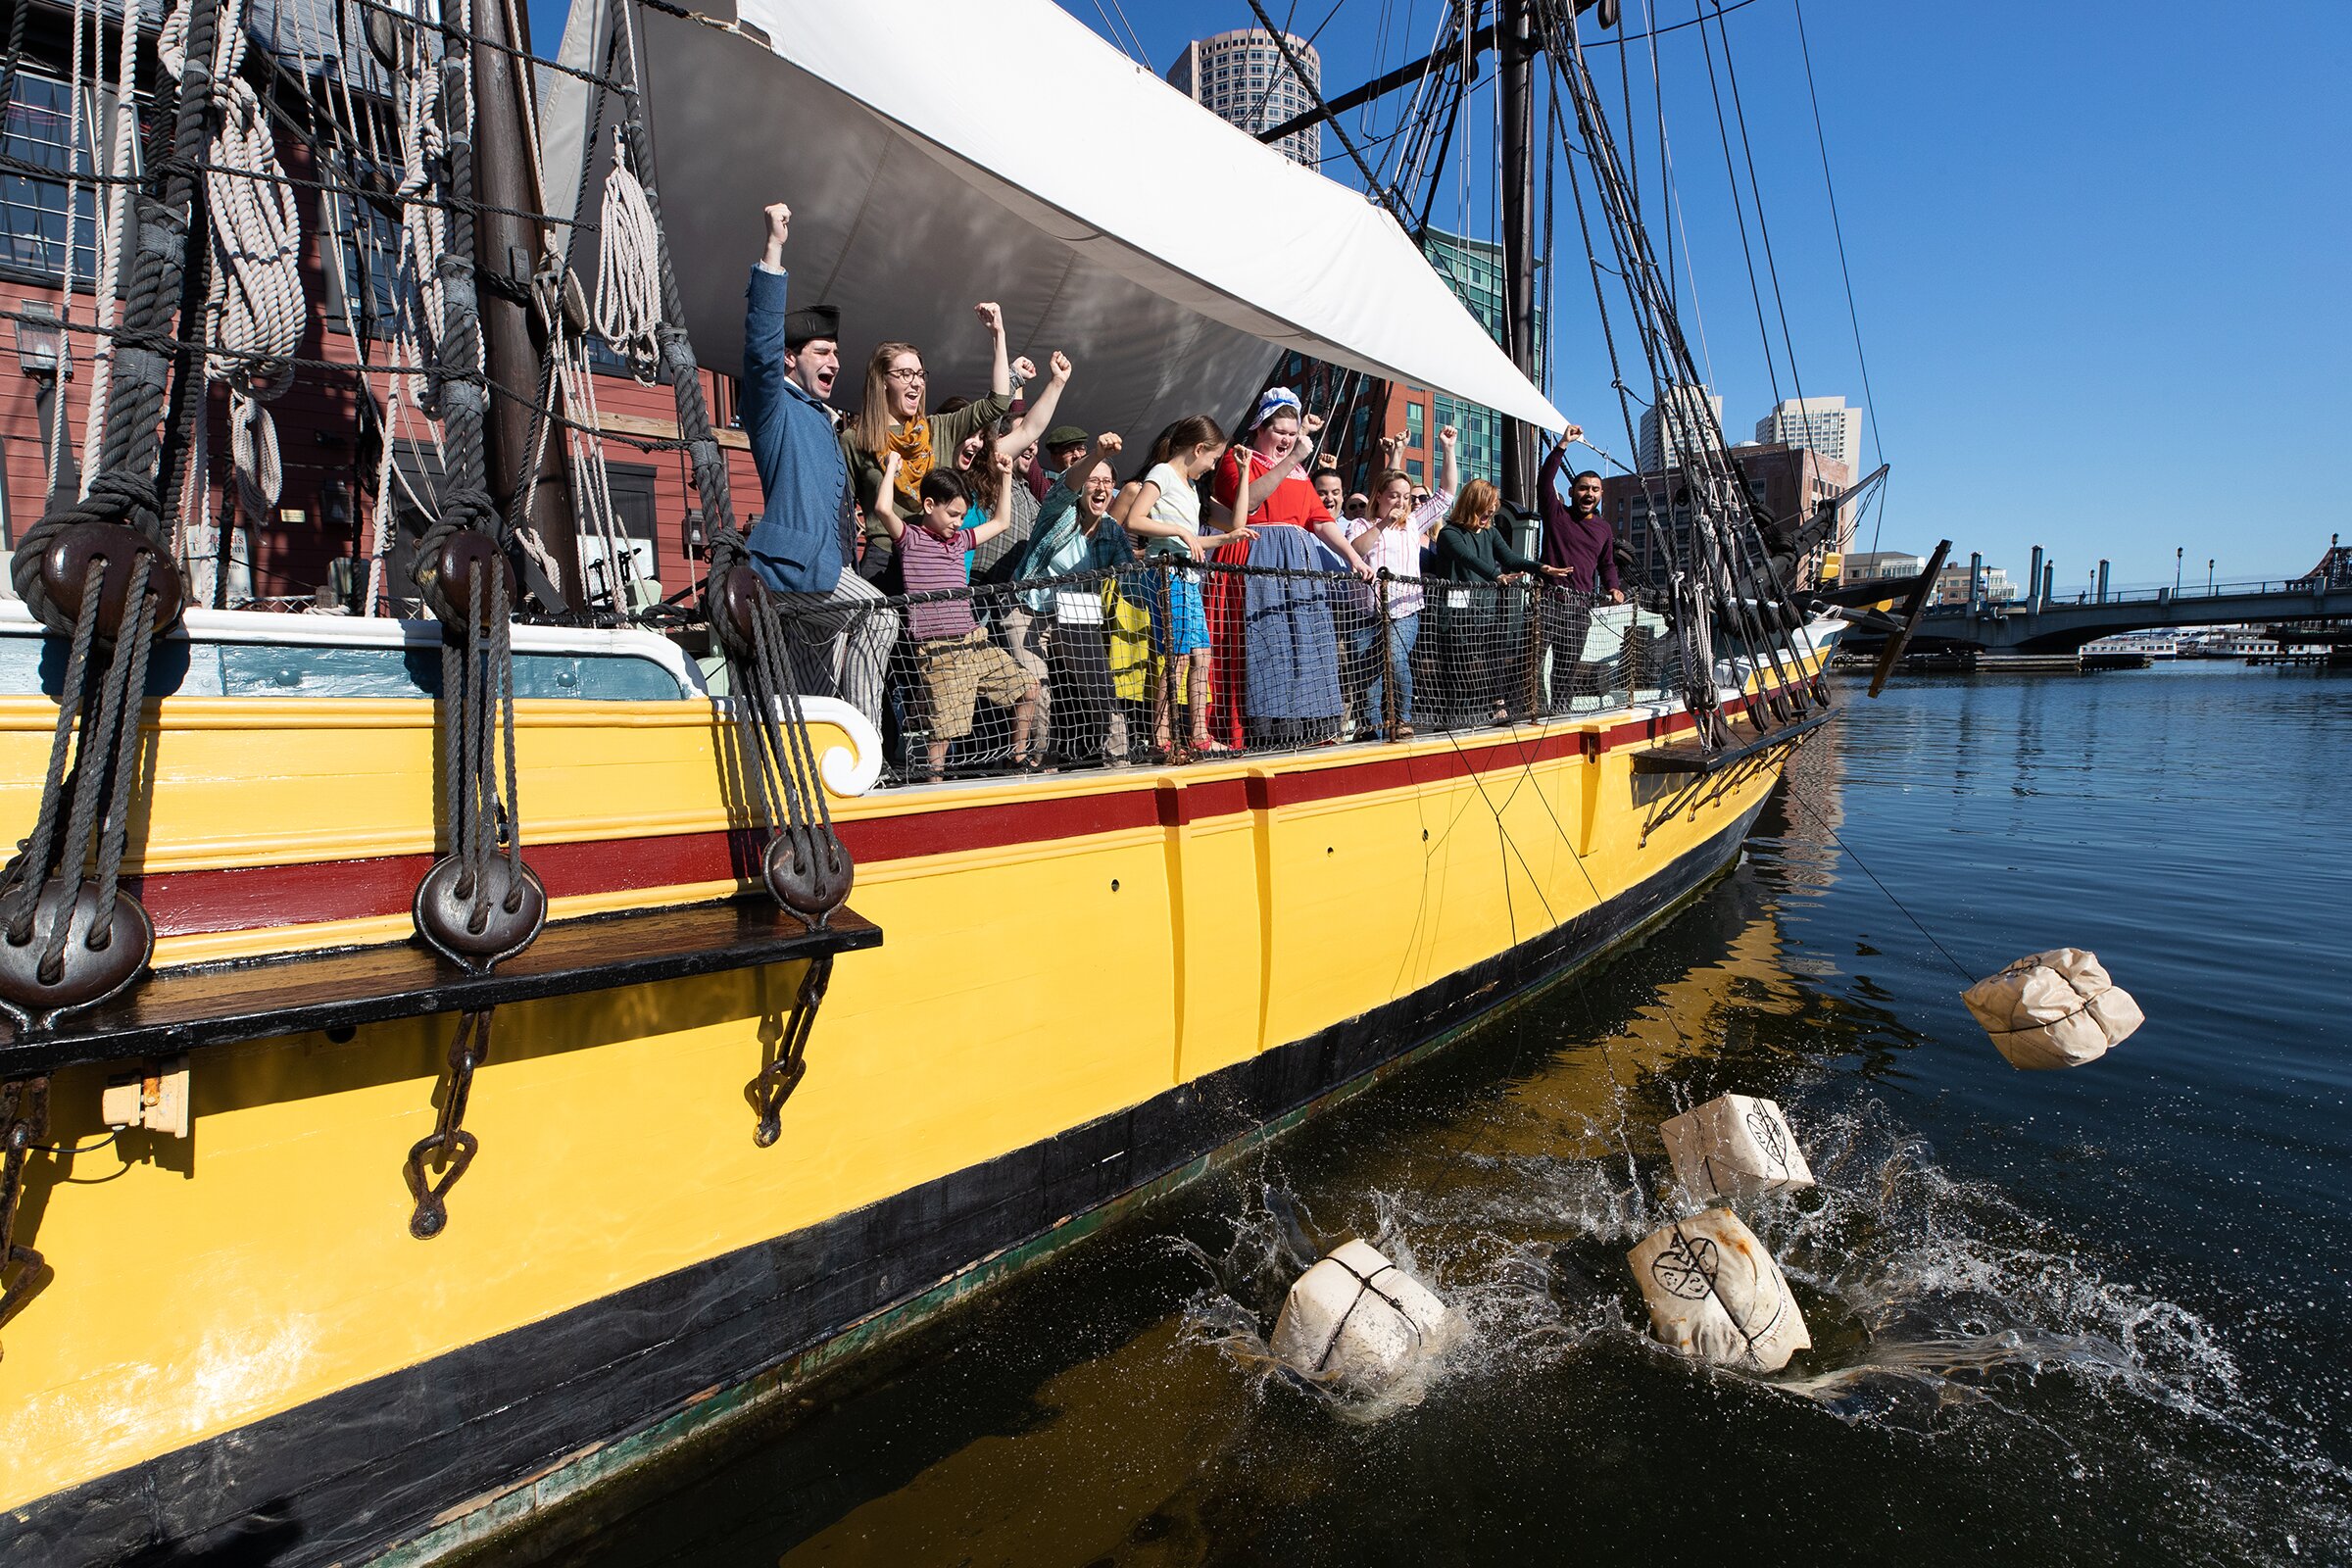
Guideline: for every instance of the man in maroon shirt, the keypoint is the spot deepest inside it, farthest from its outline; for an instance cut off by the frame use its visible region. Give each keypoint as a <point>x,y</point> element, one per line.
<point>1580,556</point>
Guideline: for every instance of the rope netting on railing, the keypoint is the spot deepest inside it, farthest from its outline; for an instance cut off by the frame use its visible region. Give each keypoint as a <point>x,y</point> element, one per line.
<point>1169,662</point>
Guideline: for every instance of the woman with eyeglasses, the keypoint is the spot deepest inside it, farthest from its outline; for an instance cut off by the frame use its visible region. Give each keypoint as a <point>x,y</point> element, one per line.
<point>892,418</point>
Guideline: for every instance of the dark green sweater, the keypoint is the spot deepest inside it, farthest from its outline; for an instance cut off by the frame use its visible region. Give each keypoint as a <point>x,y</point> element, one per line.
<point>1467,555</point>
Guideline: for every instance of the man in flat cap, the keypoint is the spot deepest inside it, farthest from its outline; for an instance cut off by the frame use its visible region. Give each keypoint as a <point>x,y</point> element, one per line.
<point>1062,446</point>
<point>806,541</point>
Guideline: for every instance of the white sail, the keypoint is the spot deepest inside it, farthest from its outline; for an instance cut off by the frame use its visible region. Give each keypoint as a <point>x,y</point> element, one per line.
<point>936,154</point>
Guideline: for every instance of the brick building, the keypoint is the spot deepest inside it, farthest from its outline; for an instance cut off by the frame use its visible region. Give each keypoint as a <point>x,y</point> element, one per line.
<point>329,471</point>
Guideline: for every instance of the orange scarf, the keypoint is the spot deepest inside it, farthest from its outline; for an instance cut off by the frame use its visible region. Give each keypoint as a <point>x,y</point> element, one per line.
<point>913,443</point>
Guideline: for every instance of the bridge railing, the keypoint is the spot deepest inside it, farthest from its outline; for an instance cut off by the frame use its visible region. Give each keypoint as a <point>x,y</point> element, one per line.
<point>2158,595</point>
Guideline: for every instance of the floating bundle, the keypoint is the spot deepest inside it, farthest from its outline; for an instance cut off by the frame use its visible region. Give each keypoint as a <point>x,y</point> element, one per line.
<point>1733,1147</point>
<point>2054,1010</point>
<point>1716,1295</point>
<point>1356,1319</point>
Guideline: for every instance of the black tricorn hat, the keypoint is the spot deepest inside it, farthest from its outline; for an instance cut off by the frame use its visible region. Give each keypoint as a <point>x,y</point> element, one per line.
<point>810,323</point>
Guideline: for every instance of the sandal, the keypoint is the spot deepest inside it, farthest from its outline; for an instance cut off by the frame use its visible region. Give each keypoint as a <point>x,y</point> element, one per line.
<point>1208,748</point>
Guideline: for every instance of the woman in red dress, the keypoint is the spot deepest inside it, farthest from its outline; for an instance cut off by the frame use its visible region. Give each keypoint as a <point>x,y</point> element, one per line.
<point>1272,462</point>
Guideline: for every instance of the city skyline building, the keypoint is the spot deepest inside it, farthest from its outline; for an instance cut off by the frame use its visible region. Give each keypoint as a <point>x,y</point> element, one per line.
<point>1243,79</point>
<point>1473,269</point>
<point>1681,422</point>
<point>1827,425</point>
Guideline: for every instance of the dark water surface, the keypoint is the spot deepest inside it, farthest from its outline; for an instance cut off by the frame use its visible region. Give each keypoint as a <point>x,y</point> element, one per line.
<point>2092,1316</point>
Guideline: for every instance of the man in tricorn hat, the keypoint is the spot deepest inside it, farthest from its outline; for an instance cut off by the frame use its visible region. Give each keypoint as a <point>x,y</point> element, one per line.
<point>805,540</point>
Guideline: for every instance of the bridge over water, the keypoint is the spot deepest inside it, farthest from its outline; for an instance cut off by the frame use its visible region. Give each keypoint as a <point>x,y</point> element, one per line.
<point>2035,624</point>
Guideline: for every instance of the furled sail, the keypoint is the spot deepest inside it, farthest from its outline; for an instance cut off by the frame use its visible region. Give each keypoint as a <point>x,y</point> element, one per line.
<point>937,154</point>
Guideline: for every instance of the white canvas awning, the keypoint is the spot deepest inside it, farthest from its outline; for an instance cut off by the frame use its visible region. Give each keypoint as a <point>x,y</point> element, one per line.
<point>936,154</point>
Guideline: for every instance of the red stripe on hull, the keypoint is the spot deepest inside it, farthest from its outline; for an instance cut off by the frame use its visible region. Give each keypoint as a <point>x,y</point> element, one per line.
<point>247,898</point>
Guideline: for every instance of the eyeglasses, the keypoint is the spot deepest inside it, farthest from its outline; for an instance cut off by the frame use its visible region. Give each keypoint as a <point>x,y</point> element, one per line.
<point>906,377</point>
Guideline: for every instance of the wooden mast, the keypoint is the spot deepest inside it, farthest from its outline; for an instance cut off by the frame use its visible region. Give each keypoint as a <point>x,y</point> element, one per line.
<point>506,249</point>
<point>1515,38</point>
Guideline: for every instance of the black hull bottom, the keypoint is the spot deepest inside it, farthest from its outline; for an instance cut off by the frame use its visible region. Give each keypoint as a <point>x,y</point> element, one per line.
<point>416,1462</point>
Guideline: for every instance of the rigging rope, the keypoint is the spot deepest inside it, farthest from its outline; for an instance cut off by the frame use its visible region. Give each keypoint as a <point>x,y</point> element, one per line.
<point>96,569</point>
<point>806,867</point>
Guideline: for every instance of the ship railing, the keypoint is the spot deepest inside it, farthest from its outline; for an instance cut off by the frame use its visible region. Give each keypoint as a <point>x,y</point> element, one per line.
<point>1173,661</point>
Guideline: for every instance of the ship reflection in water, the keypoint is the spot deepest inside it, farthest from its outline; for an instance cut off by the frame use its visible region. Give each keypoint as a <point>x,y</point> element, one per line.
<point>2093,1317</point>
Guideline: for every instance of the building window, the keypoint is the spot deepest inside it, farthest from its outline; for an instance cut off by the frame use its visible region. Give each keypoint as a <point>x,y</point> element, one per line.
<point>1413,425</point>
<point>39,130</point>
<point>369,285</point>
<point>1414,470</point>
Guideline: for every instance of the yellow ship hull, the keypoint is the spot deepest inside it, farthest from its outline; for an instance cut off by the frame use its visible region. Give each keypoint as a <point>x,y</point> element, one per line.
<point>1090,987</point>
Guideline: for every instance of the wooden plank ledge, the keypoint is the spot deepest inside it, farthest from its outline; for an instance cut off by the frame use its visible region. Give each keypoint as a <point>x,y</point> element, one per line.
<point>1691,758</point>
<point>173,1010</point>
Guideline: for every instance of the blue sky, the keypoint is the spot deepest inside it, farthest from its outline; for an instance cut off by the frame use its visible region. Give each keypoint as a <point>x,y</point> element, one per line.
<point>2099,252</point>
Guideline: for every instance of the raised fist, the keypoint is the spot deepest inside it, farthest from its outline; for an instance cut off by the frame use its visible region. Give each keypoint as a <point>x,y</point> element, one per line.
<point>1312,425</point>
<point>1023,368</point>
<point>1060,363</point>
<point>779,222</point>
<point>1108,443</point>
<point>1001,459</point>
<point>991,314</point>
<point>1446,435</point>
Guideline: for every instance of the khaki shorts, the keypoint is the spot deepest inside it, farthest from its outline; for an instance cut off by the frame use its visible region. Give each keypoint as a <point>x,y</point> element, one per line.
<point>958,671</point>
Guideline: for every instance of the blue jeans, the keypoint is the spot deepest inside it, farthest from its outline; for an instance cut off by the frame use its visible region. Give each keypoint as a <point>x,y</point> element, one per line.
<point>1403,631</point>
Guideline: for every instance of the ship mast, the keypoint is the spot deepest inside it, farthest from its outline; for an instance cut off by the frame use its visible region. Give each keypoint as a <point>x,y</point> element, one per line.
<point>1515,40</point>
<point>506,249</point>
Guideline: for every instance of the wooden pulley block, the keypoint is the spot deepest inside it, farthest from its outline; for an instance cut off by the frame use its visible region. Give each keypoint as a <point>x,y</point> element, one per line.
<point>67,564</point>
<point>738,594</point>
<point>84,974</point>
<point>470,551</point>
<point>809,871</point>
<point>444,911</point>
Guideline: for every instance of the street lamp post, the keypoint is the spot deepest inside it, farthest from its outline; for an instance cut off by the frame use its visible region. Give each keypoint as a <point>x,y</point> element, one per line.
<point>2209,578</point>
<point>2178,552</point>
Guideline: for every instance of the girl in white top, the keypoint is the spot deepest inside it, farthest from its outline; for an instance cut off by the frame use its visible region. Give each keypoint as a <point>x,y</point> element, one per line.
<point>1391,542</point>
<point>1165,511</point>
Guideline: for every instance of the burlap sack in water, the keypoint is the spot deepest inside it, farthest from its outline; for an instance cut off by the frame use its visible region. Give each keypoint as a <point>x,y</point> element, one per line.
<point>1733,1147</point>
<point>2054,1010</point>
<point>1356,1319</point>
<point>1715,1293</point>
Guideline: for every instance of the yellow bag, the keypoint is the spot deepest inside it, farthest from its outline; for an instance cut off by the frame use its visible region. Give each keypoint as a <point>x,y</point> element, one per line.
<point>1131,669</point>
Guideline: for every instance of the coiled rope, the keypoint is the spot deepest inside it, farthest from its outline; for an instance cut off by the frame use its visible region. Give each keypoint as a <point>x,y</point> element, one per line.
<point>629,268</point>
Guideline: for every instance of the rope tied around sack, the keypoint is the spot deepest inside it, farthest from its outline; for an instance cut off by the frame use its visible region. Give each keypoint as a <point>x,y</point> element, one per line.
<point>1363,1288</point>
<point>2028,966</point>
<point>1706,1267</point>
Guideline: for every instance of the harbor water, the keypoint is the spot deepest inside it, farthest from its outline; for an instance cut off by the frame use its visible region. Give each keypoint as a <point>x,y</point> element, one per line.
<point>2094,1316</point>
